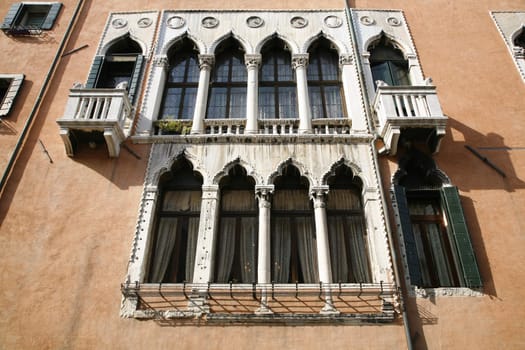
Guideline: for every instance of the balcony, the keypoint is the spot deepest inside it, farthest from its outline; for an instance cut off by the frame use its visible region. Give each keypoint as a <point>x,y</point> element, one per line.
<point>410,111</point>
<point>105,112</point>
<point>263,303</point>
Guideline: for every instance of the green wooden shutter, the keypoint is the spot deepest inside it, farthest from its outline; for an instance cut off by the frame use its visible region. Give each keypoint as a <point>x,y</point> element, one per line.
<point>12,92</point>
<point>10,17</point>
<point>408,235</point>
<point>459,230</point>
<point>135,78</point>
<point>93,73</point>
<point>51,16</point>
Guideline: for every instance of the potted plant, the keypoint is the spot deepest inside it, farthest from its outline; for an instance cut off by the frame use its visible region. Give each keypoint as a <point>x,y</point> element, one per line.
<point>173,127</point>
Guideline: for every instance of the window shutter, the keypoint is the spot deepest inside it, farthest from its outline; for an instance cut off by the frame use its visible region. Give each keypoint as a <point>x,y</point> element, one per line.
<point>408,235</point>
<point>135,78</point>
<point>93,73</point>
<point>458,227</point>
<point>10,96</point>
<point>51,15</point>
<point>9,19</point>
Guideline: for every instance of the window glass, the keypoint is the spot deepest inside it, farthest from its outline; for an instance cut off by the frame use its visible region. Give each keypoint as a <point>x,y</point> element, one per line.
<point>277,88</point>
<point>324,86</point>
<point>227,96</point>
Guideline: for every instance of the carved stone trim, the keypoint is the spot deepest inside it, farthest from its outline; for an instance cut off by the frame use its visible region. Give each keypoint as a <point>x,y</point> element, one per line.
<point>299,22</point>
<point>206,61</point>
<point>299,60</point>
<point>264,195</point>
<point>161,61</point>
<point>333,21</point>
<point>252,60</point>
<point>119,23</point>
<point>176,22</point>
<point>346,59</point>
<point>210,22</point>
<point>519,52</point>
<point>254,22</point>
<point>318,194</point>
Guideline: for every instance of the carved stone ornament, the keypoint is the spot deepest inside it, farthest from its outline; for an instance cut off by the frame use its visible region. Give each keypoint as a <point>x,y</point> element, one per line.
<point>318,194</point>
<point>144,22</point>
<point>299,22</point>
<point>333,21</point>
<point>160,61</point>
<point>119,23</point>
<point>367,20</point>
<point>210,22</point>
<point>206,61</point>
<point>252,61</point>
<point>300,60</point>
<point>393,21</point>
<point>254,22</point>
<point>176,22</point>
<point>346,59</point>
<point>519,52</point>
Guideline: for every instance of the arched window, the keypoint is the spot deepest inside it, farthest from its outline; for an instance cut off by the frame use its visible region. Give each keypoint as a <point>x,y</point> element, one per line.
<point>388,63</point>
<point>277,88</point>
<point>436,239</point>
<point>177,225</point>
<point>182,83</point>
<point>293,245</point>
<point>520,39</point>
<point>227,97</point>
<point>122,64</point>
<point>324,83</point>
<point>236,245</point>
<point>347,229</point>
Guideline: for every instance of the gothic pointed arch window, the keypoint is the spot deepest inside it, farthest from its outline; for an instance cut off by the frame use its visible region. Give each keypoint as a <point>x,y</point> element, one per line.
<point>277,88</point>
<point>293,242</point>
<point>177,225</point>
<point>122,63</point>
<point>388,63</point>
<point>519,40</point>
<point>324,81</point>
<point>347,234</point>
<point>182,82</point>
<point>227,98</point>
<point>438,248</point>
<point>236,243</point>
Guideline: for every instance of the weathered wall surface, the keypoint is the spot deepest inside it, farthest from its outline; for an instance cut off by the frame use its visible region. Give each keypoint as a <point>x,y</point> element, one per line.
<point>67,226</point>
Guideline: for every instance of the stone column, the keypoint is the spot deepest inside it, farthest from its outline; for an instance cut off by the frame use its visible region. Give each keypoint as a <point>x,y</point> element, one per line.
<point>143,236</point>
<point>264,194</point>
<point>155,91</point>
<point>252,99</point>
<point>352,94</point>
<point>299,64</point>
<point>204,255</point>
<point>205,65</point>
<point>318,195</point>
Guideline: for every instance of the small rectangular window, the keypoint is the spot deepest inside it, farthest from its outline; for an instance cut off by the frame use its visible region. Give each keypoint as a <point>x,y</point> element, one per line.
<point>30,19</point>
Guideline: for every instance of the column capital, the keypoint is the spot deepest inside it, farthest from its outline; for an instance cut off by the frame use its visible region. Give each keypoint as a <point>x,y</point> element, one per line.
<point>318,194</point>
<point>264,194</point>
<point>346,60</point>
<point>161,61</point>
<point>206,61</point>
<point>299,60</point>
<point>252,60</point>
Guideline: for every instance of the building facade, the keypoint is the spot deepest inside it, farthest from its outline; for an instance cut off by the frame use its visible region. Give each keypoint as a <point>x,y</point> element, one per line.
<point>293,175</point>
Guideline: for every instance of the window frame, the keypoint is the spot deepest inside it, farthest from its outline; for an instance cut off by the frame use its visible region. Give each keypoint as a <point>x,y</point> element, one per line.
<point>8,99</point>
<point>14,21</point>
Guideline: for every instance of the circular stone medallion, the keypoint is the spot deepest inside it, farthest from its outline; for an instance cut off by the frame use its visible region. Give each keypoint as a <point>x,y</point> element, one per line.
<point>333,21</point>
<point>119,23</point>
<point>254,22</point>
<point>210,22</point>
<point>176,22</point>
<point>299,22</point>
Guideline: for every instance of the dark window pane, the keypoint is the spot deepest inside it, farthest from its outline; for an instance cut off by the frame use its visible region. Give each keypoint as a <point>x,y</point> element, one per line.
<point>266,102</point>
<point>238,103</point>
<point>239,73</point>
<point>193,70</point>
<point>221,70</point>
<point>188,105</point>
<point>316,101</point>
<point>217,103</point>
<point>287,102</point>
<point>177,72</point>
<point>333,102</point>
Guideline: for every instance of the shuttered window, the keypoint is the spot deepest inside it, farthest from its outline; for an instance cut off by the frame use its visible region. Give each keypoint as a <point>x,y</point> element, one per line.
<point>23,17</point>
<point>9,87</point>
<point>437,243</point>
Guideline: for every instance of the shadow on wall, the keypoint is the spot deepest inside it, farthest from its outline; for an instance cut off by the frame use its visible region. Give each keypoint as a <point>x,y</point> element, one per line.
<point>487,154</point>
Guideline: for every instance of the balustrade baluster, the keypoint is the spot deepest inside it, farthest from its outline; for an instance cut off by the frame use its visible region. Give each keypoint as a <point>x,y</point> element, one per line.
<point>399,106</point>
